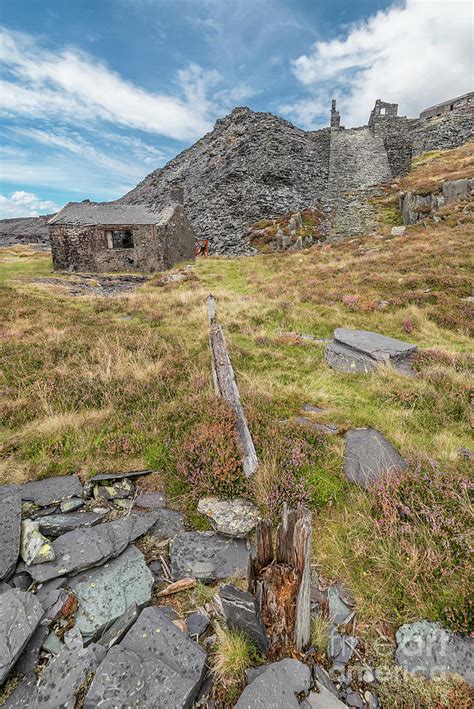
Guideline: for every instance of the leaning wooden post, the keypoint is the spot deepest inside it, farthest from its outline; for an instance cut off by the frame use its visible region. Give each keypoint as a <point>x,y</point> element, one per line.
<point>226,387</point>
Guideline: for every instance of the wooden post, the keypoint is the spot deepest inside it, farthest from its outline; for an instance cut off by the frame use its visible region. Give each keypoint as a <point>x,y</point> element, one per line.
<point>226,387</point>
<point>280,581</point>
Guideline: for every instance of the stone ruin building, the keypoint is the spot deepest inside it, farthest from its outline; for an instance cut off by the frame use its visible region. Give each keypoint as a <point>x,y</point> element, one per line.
<point>461,103</point>
<point>115,237</point>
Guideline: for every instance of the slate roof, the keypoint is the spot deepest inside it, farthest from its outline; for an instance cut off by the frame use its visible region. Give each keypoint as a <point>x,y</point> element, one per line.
<point>106,213</point>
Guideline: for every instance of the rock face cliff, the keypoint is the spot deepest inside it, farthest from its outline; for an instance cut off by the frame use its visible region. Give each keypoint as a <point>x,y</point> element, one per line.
<point>27,230</point>
<point>252,166</point>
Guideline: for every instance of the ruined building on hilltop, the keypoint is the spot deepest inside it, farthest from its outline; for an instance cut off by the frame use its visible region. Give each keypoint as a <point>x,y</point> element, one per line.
<point>116,237</point>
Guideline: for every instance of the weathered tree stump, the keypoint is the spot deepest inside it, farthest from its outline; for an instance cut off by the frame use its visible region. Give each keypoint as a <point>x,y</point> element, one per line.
<point>280,581</point>
<point>226,387</point>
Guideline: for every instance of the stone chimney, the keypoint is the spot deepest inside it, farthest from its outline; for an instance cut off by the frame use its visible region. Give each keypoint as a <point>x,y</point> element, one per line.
<point>177,194</point>
<point>335,116</point>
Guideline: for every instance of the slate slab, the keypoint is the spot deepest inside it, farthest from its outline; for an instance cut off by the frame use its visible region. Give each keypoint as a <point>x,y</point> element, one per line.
<point>29,657</point>
<point>51,490</point>
<point>72,504</point>
<point>106,592</point>
<point>56,525</point>
<point>369,457</point>
<point>341,607</point>
<point>361,351</point>
<point>233,518</point>
<point>156,666</point>
<point>89,485</point>
<point>207,556</point>
<point>325,428</point>
<point>114,490</point>
<point>10,526</point>
<point>20,613</point>
<point>114,634</point>
<point>428,649</point>
<point>63,676</point>
<point>168,524</point>
<point>197,624</point>
<point>341,648</point>
<point>85,548</point>
<point>24,694</point>
<point>241,613</point>
<point>150,500</point>
<point>323,699</point>
<point>277,686</point>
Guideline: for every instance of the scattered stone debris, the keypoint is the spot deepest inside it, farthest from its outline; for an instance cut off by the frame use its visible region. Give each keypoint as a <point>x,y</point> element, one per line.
<point>96,284</point>
<point>429,649</point>
<point>324,428</point>
<point>361,351</point>
<point>35,548</point>
<point>233,518</point>
<point>368,457</point>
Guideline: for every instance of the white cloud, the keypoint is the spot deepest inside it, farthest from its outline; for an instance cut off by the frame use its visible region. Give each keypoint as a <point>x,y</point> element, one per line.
<point>415,54</point>
<point>72,84</point>
<point>24,204</point>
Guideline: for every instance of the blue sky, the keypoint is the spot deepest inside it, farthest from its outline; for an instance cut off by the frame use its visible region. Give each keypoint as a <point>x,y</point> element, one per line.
<point>96,94</point>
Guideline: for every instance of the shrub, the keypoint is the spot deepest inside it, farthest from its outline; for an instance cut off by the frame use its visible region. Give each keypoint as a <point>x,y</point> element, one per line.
<point>233,654</point>
<point>209,459</point>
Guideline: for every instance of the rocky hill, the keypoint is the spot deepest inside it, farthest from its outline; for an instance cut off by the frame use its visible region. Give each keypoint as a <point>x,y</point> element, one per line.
<point>28,230</point>
<point>252,166</point>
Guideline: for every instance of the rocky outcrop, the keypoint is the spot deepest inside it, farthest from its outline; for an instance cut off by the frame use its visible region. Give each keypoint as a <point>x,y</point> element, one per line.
<point>417,206</point>
<point>25,230</point>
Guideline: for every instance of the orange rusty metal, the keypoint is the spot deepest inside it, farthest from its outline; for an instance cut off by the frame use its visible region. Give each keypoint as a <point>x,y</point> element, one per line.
<point>202,247</point>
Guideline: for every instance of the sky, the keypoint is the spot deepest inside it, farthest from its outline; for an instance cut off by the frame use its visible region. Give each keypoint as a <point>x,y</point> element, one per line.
<point>96,94</point>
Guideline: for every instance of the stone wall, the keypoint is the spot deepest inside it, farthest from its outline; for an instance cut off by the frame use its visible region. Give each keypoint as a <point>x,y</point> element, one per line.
<point>396,134</point>
<point>441,133</point>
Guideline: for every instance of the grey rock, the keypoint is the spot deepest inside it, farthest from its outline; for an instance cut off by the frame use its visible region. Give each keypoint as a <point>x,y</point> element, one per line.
<point>34,512</point>
<point>53,644</point>
<point>156,568</point>
<point>371,700</point>
<point>197,624</point>
<point>21,580</point>
<point>339,608</point>
<point>369,457</point>
<point>277,687</point>
<point>207,556</point>
<point>324,428</point>
<point>114,634</point>
<point>323,699</point>
<point>29,657</point>
<point>150,500</point>
<point>56,525</point>
<point>428,649</point>
<point>341,648</point>
<point>103,477</point>
<point>353,699</point>
<point>20,613</point>
<point>233,518</point>
<point>64,674</point>
<point>10,525</point>
<point>169,612</point>
<point>167,525</point>
<point>368,676</point>
<point>252,673</point>
<point>398,230</point>
<point>360,351</point>
<point>241,613</point>
<point>99,604</point>
<point>457,189</point>
<point>51,490</point>
<point>85,548</point>
<point>70,505</point>
<point>323,680</point>
<point>73,639</point>
<point>156,666</point>
<point>309,408</point>
<point>34,547</point>
<point>4,587</point>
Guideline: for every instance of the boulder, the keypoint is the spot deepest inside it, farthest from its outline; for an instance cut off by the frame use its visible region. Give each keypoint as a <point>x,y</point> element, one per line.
<point>155,666</point>
<point>277,686</point>
<point>20,614</point>
<point>56,525</point>
<point>167,525</point>
<point>369,457</point>
<point>233,518</point>
<point>85,548</point>
<point>10,528</point>
<point>360,351</point>
<point>457,189</point>
<point>99,603</point>
<point>63,676</point>
<point>51,490</point>
<point>428,649</point>
<point>207,556</point>
<point>34,547</point>
<point>241,613</point>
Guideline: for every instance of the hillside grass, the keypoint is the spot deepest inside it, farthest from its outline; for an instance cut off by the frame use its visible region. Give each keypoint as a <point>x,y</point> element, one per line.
<point>93,384</point>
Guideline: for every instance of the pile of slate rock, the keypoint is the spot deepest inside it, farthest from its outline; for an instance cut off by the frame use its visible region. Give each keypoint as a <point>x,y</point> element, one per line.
<point>81,620</point>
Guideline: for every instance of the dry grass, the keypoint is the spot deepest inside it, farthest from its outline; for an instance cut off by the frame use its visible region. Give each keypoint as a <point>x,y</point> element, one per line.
<point>431,169</point>
<point>233,654</point>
